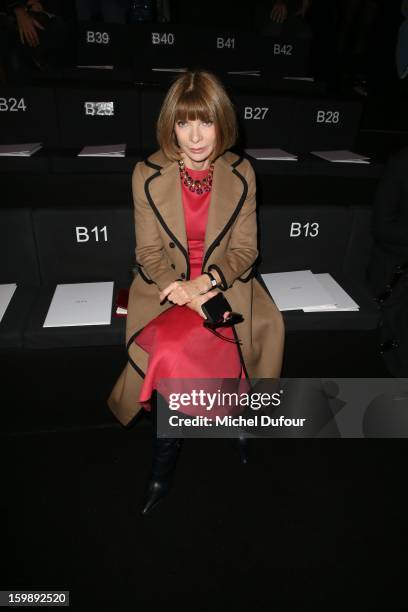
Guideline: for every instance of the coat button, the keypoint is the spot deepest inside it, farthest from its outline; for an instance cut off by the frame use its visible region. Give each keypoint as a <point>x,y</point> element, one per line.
<point>171,245</point>
<point>183,275</point>
<point>173,266</point>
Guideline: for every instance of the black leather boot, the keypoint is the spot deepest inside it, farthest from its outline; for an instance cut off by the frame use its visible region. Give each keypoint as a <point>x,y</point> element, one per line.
<point>241,444</point>
<point>165,454</point>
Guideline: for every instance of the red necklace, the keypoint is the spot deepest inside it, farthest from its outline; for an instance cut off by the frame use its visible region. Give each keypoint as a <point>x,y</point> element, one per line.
<point>198,186</point>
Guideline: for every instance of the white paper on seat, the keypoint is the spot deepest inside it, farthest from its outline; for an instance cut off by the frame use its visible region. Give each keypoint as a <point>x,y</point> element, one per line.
<point>80,304</point>
<point>342,156</point>
<point>296,290</point>
<point>245,72</point>
<point>20,150</point>
<point>342,301</point>
<point>103,151</point>
<point>299,78</point>
<point>99,66</point>
<point>273,154</point>
<point>169,69</point>
<point>6,293</point>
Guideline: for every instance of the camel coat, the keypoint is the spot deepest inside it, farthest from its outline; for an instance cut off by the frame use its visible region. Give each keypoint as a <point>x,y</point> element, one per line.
<point>162,257</point>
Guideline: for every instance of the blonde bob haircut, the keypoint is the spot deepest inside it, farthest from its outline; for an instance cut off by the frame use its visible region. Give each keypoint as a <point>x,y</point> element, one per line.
<point>196,95</point>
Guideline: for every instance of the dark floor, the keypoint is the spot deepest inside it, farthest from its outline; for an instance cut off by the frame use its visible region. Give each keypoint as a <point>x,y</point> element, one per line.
<point>306,524</point>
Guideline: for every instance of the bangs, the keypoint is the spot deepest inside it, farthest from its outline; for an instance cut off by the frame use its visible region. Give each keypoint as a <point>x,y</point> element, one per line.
<point>196,95</point>
<point>191,107</point>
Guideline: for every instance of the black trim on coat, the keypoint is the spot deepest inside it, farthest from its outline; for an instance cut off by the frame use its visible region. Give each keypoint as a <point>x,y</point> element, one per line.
<point>144,277</point>
<point>131,339</point>
<point>232,218</point>
<point>238,161</point>
<point>162,221</point>
<point>152,165</point>
<point>136,367</point>
<point>261,281</point>
<point>253,268</point>
<point>250,275</point>
<point>224,285</point>
<point>240,352</point>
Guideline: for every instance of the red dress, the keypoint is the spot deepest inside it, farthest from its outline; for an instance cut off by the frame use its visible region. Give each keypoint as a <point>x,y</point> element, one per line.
<point>178,344</point>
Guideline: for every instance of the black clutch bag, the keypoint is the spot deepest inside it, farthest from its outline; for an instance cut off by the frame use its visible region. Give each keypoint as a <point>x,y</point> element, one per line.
<point>215,307</point>
<point>214,311</point>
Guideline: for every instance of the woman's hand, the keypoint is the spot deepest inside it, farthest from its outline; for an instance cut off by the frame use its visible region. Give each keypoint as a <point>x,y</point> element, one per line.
<point>196,303</point>
<point>181,292</point>
<point>279,12</point>
<point>26,27</point>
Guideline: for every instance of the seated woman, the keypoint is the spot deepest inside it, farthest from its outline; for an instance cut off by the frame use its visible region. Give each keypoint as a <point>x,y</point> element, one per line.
<point>196,235</point>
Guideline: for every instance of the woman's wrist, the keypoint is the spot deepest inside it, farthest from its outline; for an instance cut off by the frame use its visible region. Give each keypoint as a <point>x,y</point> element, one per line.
<point>204,283</point>
<point>214,279</point>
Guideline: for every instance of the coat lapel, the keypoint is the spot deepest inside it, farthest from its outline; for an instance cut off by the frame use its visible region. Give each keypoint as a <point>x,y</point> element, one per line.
<point>166,197</point>
<point>225,197</point>
<point>165,192</point>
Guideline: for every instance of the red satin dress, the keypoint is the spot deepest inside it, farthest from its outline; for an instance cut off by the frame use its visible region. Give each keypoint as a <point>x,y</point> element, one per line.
<point>178,344</point>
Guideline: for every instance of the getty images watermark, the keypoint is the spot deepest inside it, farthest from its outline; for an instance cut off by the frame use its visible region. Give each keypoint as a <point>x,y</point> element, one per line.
<point>226,400</point>
<point>296,407</point>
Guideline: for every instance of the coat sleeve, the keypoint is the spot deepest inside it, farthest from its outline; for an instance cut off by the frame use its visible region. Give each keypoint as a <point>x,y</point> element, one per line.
<point>242,251</point>
<point>150,253</point>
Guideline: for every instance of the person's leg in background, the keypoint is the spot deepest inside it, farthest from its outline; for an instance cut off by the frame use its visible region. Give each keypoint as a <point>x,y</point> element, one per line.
<point>323,19</point>
<point>115,11</point>
<point>401,51</point>
<point>348,19</point>
<point>87,10</point>
<point>362,51</point>
<point>16,59</point>
<point>163,12</point>
<point>3,47</point>
<point>57,44</point>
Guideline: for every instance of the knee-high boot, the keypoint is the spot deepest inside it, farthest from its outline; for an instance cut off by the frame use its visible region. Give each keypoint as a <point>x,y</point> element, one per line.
<point>241,444</point>
<point>165,454</point>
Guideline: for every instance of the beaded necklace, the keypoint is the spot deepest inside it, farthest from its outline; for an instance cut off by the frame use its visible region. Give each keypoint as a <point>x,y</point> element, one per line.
<point>196,185</point>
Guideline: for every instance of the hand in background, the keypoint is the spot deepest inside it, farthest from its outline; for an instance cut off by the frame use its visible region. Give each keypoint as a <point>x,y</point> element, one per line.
<point>279,13</point>
<point>27,27</point>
